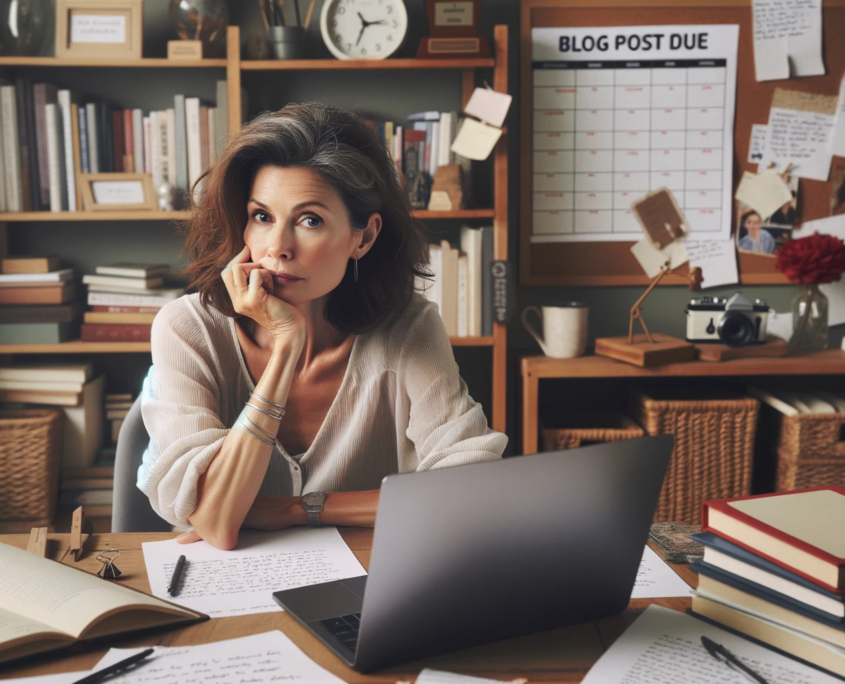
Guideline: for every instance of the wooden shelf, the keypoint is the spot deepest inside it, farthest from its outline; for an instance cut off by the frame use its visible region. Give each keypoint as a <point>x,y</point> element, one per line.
<point>44,216</point>
<point>77,347</point>
<point>365,64</point>
<point>484,341</point>
<point>457,214</point>
<point>830,362</point>
<point>110,62</point>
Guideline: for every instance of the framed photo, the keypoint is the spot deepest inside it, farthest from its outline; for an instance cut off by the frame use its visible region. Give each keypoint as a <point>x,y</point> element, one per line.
<point>118,191</point>
<point>99,28</point>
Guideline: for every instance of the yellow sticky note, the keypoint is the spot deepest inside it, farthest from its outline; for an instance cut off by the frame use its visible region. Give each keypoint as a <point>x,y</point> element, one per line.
<point>765,192</point>
<point>476,140</point>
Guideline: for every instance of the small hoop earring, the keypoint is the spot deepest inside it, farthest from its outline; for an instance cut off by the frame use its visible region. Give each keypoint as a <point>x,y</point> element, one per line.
<point>355,271</point>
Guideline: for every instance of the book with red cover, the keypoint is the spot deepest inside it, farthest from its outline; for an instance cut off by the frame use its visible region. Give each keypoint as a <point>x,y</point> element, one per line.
<point>799,530</point>
<point>115,332</point>
<point>128,143</point>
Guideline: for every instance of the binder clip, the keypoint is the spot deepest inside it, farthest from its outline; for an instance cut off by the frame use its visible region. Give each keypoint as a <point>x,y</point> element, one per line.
<point>109,570</point>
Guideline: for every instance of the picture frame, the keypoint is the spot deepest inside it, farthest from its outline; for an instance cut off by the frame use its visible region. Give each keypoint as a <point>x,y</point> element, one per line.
<point>99,28</point>
<point>118,192</point>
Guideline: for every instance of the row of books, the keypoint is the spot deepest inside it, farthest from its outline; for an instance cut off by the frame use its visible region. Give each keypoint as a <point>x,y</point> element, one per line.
<point>462,286</point>
<point>774,570</point>
<point>47,134</point>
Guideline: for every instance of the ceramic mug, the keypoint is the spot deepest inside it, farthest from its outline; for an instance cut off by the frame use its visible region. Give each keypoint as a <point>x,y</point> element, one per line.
<point>564,329</point>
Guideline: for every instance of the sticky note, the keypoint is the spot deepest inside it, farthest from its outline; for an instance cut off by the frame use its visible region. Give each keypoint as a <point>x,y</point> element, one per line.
<point>489,105</point>
<point>764,192</point>
<point>476,140</point>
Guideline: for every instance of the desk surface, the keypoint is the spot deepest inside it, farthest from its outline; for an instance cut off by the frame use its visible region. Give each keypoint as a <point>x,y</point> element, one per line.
<point>560,655</point>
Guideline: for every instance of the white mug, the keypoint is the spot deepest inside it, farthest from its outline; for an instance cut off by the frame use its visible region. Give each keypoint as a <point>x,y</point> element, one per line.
<point>564,328</point>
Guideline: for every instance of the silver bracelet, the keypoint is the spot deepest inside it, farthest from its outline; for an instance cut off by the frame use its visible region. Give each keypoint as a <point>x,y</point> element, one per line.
<point>277,416</point>
<point>271,403</point>
<point>258,427</point>
<point>257,436</point>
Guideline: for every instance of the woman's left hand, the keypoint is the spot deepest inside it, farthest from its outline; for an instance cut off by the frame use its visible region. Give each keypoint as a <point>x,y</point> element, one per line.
<point>267,513</point>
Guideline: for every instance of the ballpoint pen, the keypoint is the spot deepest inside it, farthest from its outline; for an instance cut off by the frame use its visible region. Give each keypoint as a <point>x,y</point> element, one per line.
<point>722,654</point>
<point>177,575</point>
<point>117,667</point>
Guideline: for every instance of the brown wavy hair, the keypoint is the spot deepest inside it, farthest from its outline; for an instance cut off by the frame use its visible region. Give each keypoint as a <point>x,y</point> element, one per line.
<point>349,155</point>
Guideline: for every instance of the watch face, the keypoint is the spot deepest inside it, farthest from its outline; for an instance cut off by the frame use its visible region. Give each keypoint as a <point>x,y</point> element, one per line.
<point>314,499</point>
<point>363,29</point>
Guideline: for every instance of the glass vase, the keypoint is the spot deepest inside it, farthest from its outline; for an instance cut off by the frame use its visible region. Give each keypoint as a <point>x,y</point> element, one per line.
<point>204,20</point>
<point>809,320</point>
<point>23,27</point>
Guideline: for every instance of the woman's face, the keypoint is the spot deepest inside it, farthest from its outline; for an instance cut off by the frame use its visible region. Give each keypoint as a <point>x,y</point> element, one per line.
<point>752,225</point>
<point>297,225</point>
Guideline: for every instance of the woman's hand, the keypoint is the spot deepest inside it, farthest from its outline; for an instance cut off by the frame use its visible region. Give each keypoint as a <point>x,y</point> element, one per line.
<point>267,513</point>
<point>251,290</point>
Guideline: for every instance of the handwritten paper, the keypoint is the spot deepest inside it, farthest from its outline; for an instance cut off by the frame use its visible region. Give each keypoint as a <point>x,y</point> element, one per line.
<point>757,144</point>
<point>429,676</point>
<point>837,141</point>
<point>476,140</point>
<point>653,259</point>
<point>716,259</point>
<point>787,38</point>
<point>489,105</point>
<point>97,28</point>
<point>800,130</point>
<point>61,678</point>
<point>835,292</point>
<point>765,192</point>
<point>664,645</point>
<point>655,579</point>
<point>242,581</point>
<point>267,657</point>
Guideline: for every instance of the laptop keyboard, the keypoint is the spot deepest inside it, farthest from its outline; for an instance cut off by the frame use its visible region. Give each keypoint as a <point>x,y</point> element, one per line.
<point>345,628</point>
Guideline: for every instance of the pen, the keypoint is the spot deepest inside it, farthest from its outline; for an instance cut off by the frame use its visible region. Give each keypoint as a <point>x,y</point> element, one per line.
<point>111,669</point>
<point>177,574</point>
<point>722,654</point>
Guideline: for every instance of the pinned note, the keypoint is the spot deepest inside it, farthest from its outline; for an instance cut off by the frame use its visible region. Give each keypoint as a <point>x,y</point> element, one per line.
<point>757,144</point>
<point>837,142</point>
<point>716,259</point>
<point>787,39</point>
<point>653,259</point>
<point>476,140</point>
<point>800,130</point>
<point>764,192</point>
<point>660,217</point>
<point>489,105</point>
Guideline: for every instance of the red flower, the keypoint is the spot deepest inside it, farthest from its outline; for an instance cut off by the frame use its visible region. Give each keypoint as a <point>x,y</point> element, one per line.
<point>813,259</point>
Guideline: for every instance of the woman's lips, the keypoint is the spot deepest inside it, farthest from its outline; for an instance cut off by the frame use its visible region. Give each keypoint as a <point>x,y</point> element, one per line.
<point>284,279</point>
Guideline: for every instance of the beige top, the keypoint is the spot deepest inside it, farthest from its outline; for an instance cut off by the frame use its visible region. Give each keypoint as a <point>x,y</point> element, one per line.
<point>402,406</point>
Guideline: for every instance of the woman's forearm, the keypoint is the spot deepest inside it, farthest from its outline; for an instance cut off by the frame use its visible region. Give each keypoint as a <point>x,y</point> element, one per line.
<point>228,488</point>
<point>351,509</point>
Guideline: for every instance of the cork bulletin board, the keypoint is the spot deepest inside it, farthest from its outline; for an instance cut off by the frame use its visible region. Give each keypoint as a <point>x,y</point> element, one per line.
<point>611,263</point>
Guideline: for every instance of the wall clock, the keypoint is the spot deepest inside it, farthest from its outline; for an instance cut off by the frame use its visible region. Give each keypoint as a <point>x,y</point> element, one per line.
<point>363,29</point>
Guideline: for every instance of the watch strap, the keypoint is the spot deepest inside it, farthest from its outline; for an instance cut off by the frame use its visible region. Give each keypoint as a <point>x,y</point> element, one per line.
<point>314,518</point>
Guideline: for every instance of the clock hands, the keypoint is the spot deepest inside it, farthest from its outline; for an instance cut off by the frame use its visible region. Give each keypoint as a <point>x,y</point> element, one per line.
<point>365,24</point>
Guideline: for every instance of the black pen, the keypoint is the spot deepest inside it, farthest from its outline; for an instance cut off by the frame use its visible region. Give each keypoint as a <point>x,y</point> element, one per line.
<point>722,654</point>
<point>111,669</point>
<point>177,574</point>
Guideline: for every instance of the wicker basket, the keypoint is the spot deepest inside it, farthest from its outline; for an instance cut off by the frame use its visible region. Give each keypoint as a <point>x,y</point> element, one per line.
<point>810,450</point>
<point>714,449</point>
<point>580,429</point>
<point>30,447</point>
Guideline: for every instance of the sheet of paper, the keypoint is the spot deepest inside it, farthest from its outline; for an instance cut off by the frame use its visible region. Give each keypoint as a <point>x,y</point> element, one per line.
<point>716,259</point>
<point>620,111</point>
<point>800,130</point>
<point>652,259</point>
<point>476,140</point>
<point>779,324</point>
<point>757,144</point>
<point>267,657</point>
<point>489,106</point>
<point>837,141</point>
<point>787,33</point>
<point>835,292</point>
<point>655,579</point>
<point>664,645</point>
<point>242,581</point>
<point>764,192</point>
<point>61,678</point>
<point>429,676</point>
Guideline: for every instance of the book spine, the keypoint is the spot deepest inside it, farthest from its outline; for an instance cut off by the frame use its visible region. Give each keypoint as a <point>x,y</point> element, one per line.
<point>37,295</point>
<point>128,143</point>
<point>107,146</point>
<point>117,140</point>
<point>203,138</point>
<point>212,135</point>
<point>433,146</point>
<point>34,178</point>
<point>11,149</point>
<point>181,146</point>
<point>29,170</point>
<point>39,97</point>
<point>171,146</point>
<point>125,309</point>
<point>222,118</point>
<point>138,140</point>
<point>192,127</point>
<point>3,173</point>
<point>155,153</point>
<point>486,281</point>
<point>77,158</point>
<point>120,299</point>
<point>116,332</point>
<point>463,318</point>
<point>83,140</point>
<point>148,145</point>
<point>163,148</point>
<point>67,133</point>
<point>51,116</point>
<point>93,140</point>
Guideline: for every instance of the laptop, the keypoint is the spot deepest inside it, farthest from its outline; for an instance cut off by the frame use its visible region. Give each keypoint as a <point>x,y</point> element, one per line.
<point>477,553</point>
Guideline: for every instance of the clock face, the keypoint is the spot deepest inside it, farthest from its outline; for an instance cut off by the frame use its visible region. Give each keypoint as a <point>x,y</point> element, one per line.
<point>363,29</point>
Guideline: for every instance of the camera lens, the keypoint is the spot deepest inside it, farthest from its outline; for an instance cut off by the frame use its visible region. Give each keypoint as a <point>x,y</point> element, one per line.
<point>736,329</point>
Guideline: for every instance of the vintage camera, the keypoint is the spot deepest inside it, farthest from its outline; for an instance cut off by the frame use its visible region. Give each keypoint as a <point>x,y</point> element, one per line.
<point>735,321</point>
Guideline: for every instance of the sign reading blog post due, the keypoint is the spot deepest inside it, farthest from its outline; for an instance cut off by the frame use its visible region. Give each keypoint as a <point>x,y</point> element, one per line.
<point>621,111</point>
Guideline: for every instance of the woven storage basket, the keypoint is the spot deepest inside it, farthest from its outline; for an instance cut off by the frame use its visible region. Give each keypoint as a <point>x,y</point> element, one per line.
<point>714,449</point>
<point>579,429</point>
<point>30,442</point>
<point>810,450</point>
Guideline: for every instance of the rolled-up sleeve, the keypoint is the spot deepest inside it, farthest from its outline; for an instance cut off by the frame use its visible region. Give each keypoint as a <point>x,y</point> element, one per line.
<point>446,426</point>
<point>180,404</point>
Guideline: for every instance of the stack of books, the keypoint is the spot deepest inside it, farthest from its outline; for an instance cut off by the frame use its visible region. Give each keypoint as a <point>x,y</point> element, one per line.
<point>462,284</point>
<point>91,487</point>
<point>774,570</point>
<point>117,406</point>
<point>36,301</point>
<point>124,299</point>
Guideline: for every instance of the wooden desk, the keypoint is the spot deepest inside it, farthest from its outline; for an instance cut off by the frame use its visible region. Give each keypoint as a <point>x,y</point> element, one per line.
<point>535,368</point>
<point>560,655</point>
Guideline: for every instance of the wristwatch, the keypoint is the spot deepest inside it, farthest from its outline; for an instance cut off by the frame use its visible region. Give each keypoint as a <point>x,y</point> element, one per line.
<point>313,505</point>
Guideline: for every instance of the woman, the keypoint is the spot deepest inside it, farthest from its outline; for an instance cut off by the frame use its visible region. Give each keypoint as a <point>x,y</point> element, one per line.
<point>755,239</point>
<point>305,362</point>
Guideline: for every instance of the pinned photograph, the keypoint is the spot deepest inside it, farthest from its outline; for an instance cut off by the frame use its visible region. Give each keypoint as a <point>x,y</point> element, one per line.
<point>661,218</point>
<point>767,234</point>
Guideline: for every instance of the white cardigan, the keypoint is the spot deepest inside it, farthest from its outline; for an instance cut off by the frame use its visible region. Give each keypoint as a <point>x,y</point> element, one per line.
<point>402,406</point>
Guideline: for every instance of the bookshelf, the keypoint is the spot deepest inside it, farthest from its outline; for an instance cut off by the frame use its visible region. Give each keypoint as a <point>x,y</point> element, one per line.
<point>234,68</point>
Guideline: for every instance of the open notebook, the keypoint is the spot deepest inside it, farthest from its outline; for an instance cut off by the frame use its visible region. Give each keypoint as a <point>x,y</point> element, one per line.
<point>45,605</point>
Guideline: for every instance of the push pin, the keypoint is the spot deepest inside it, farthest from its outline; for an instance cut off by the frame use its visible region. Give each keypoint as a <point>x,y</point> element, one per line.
<point>109,570</point>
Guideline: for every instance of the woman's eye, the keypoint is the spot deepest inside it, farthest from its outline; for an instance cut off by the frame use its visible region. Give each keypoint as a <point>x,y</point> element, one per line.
<point>312,222</point>
<point>261,216</point>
